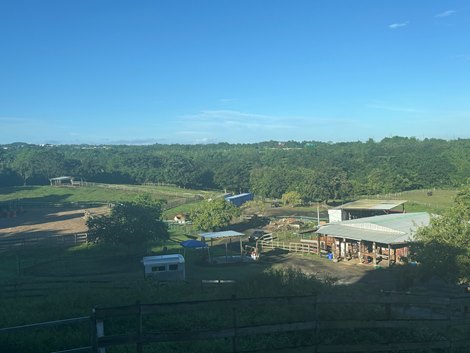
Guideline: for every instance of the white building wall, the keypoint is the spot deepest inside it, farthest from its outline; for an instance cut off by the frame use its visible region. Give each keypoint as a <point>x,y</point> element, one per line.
<point>335,215</point>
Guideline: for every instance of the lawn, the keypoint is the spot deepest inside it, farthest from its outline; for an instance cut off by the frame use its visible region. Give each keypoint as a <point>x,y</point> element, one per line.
<point>101,193</point>
<point>436,201</point>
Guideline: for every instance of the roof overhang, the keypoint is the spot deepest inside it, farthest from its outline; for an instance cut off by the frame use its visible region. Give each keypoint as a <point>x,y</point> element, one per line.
<point>218,235</point>
<point>367,204</point>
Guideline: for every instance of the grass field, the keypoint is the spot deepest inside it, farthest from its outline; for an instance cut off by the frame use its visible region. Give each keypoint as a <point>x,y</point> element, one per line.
<point>419,201</point>
<point>80,277</point>
<point>102,193</point>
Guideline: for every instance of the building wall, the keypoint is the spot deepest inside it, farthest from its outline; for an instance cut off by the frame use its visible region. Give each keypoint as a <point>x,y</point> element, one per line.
<point>335,215</point>
<point>165,274</point>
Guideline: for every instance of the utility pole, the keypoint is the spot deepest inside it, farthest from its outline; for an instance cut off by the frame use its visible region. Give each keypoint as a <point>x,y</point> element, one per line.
<point>318,213</point>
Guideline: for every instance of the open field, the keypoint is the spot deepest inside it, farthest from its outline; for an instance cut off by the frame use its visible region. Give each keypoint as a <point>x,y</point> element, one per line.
<point>96,193</point>
<point>419,200</point>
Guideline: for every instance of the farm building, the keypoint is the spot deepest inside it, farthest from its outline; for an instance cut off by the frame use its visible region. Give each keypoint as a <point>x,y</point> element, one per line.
<point>165,267</point>
<point>373,240</point>
<point>65,180</point>
<point>365,208</point>
<point>227,237</point>
<point>240,199</point>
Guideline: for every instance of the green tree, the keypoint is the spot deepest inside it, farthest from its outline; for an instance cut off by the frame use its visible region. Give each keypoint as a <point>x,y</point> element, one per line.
<point>443,248</point>
<point>131,224</point>
<point>253,206</point>
<point>292,198</point>
<point>214,214</point>
<point>24,164</point>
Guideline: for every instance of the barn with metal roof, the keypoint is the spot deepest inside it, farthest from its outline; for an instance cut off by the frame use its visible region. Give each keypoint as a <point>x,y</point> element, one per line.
<point>365,208</point>
<point>373,239</point>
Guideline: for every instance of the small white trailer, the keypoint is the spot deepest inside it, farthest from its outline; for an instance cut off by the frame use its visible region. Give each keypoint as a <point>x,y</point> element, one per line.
<point>169,267</point>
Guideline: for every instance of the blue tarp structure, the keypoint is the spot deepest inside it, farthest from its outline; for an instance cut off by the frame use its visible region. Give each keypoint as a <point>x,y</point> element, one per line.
<point>193,244</point>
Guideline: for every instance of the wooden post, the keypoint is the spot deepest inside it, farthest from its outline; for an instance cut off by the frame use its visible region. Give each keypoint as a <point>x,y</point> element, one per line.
<point>389,255</point>
<point>234,321</point>
<point>318,245</point>
<point>333,249</point>
<point>359,253</point>
<point>316,331</point>
<point>318,214</point>
<point>241,249</point>
<point>139,346</point>
<point>374,250</point>
<point>98,332</point>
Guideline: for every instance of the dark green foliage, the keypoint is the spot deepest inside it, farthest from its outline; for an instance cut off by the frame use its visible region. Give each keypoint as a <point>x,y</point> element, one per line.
<point>132,224</point>
<point>443,248</point>
<point>213,215</point>
<point>319,171</point>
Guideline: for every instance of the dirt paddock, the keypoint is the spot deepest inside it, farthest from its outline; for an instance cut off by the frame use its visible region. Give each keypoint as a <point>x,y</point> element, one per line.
<point>46,222</point>
<point>341,273</point>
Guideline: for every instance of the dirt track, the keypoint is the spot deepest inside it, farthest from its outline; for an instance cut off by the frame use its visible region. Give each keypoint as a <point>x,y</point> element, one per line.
<point>342,273</point>
<point>46,222</point>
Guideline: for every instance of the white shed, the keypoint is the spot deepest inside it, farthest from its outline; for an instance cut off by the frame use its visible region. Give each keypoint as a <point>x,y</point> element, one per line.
<point>165,267</point>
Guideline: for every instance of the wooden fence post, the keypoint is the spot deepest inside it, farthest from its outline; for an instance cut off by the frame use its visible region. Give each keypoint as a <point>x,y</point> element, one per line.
<point>139,347</point>
<point>374,249</point>
<point>234,318</point>
<point>316,326</point>
<point>97,332</point>
<point>93,343</point>
<point>449,328</point>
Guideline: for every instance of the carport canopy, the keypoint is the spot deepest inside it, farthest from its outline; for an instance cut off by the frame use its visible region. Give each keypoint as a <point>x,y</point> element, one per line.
<point>224,234</point>
<point>218,235</point>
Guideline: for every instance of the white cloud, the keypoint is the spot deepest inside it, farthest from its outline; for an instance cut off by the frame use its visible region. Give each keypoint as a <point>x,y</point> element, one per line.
<point>445,14</point>
<point>210,126</point>
<point>236,119</point>
<point>398,25</point>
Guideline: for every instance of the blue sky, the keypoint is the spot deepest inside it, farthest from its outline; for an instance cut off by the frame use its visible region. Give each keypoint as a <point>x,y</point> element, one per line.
<point>195,71</point>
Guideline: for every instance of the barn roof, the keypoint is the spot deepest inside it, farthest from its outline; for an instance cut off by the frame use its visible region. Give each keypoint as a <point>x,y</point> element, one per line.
<point>162,259</point>
<point>385,229</point>
<point>367,204</point>
<point>61,178</point>
<point>234,197</point>
<point>217,235</point>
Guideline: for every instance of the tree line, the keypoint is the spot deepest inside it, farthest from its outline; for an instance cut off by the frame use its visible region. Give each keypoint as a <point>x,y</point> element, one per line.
<point>316,170</point>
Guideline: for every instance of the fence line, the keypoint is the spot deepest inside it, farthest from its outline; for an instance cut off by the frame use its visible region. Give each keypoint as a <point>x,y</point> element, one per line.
<point>37,241</point>
<point>303,247</point>
<point>236,331</point>
<point>455,311</point>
